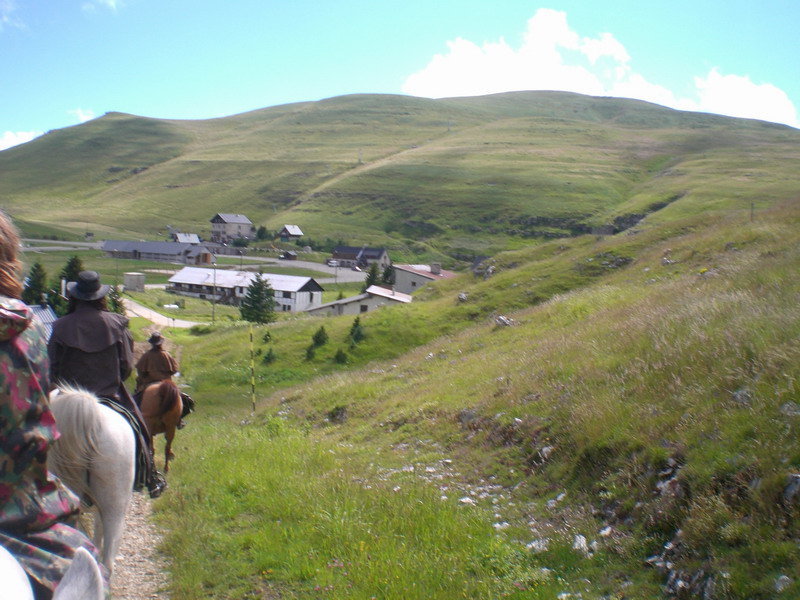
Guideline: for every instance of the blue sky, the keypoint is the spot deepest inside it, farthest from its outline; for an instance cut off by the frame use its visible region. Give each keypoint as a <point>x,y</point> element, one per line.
<point>63,62</point>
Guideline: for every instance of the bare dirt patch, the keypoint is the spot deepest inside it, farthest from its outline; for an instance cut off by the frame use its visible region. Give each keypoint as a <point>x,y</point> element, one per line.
<point>140,572</point>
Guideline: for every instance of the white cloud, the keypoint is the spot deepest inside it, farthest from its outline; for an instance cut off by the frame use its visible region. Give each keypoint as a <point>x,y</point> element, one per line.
<point>7,17</point>
<point>554,57</point>
<point>738,96</point>
<point>14,138</point>
<point>82,115</point>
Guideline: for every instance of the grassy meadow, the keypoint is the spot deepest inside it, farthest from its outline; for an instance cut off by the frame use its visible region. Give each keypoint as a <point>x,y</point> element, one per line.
<point>604,417</point>
<point>644,394</point>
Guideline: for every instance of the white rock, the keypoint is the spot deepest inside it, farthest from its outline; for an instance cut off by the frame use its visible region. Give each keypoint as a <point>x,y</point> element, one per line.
<point>539,545</point>
<point>579,544</point>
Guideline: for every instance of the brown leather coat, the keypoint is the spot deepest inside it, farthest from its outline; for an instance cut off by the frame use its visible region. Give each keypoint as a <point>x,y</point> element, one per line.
<point>154,365</point>
<point>92,348</point>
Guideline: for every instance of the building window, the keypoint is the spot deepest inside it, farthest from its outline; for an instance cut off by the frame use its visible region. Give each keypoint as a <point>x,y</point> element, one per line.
<point>287,294</point>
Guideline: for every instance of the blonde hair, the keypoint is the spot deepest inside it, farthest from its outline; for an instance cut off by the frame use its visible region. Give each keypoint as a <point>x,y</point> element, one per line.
<point>10,266</point>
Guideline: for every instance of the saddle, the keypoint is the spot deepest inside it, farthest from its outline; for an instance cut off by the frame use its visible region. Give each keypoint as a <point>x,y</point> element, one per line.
<point>143,458</point>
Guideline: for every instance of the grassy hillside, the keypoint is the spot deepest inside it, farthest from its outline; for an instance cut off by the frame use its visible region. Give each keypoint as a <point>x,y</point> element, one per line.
<point>644,397</point>
<point>605,416</point>
<point>446,179</point>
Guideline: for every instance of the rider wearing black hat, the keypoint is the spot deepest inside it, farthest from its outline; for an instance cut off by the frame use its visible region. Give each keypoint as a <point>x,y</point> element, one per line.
<point>93,348</point>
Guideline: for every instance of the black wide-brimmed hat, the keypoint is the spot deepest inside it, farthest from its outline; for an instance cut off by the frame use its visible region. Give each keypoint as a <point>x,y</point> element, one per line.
<point>156,339</point>
<point>88,286</point>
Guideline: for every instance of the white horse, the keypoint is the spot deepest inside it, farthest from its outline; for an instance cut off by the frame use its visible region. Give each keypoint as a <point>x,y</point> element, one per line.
<point>82,581</point>
<point>95,457</point>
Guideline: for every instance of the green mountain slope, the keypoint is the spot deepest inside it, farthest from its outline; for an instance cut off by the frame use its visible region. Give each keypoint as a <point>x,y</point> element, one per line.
<point>452,177</point>
<point>640,394</point>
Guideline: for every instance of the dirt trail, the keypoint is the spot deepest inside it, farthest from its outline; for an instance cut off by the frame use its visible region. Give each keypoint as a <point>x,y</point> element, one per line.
<point>140,573</point>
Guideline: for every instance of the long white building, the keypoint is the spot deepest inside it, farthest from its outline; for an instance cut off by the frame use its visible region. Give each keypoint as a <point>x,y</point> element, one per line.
<point>292,293</point>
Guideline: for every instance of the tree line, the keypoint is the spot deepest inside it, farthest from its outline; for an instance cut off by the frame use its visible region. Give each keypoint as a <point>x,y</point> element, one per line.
<point>39,289</point>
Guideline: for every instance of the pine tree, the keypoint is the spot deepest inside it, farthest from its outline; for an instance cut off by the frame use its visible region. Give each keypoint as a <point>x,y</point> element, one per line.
<point>35,285</point>
<point>356,332</point>
<point>114,300</point>
<point>258,305</point>
<point>320,337</point>
<point>72,268</point>
<point>387,277</point>
<point>372,277</point>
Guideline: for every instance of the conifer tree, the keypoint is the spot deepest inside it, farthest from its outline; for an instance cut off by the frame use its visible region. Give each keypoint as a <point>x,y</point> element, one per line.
<point>35,284</point>
<point>72,268</point>
<point>114,300</point>
<point>387,277</point>
<point>258,305</point>
<point>320,337</point>
<point>372,277</point>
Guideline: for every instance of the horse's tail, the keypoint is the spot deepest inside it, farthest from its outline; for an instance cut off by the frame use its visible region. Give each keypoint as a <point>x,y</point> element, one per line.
<point>77,416</point>
<point>169,394</point>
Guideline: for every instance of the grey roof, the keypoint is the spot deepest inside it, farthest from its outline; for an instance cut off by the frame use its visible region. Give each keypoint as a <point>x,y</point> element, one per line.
<point>173,248</point>
<point>232,218</point>
<point>229,279</point>
<point>358,251</point>
<point>45,315</point>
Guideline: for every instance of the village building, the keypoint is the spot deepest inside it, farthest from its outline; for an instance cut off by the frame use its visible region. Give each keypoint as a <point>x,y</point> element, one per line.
<point>409,278</point>
<point>186,238</point>
<point>227,227</point>
<point>225,250</point>
<point>172,252</point>
<point>290,233</point>
<point>374,297</point>
<point>292,293</point>
<point>361,257</point>
<point>46,316</point>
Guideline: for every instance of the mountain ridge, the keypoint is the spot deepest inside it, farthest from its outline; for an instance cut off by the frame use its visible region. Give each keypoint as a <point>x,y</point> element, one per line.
<point>428,178</point>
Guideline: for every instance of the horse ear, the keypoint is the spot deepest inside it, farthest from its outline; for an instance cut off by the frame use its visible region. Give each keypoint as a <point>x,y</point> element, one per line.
<point>82,581</point>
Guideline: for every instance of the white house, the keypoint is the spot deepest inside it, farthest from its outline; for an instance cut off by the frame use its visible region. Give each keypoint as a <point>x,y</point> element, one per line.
<point>374,297</point>
<point>409,278</point>
<point>292,293</point>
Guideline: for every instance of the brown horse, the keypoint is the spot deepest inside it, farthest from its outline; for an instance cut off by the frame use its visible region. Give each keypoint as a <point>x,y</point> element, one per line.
<point>161,408</point>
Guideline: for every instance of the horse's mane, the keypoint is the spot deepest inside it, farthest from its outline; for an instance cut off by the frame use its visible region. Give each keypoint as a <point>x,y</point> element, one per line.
<point>77,419</point>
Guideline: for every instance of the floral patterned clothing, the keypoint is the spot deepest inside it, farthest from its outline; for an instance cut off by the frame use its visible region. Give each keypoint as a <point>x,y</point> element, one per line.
<point>35,507</point>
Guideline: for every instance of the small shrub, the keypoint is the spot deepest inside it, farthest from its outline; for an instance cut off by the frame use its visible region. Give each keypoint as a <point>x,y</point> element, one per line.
<point>341,357</point>
<point>269,357</point>
<point>311,352</point>
<point>338,414</point>
<point>201,330</point>
<point>320,337</point>
<point>267,337</point>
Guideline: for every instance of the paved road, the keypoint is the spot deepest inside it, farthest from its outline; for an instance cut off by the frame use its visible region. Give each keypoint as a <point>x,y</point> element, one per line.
<point>136,309</point>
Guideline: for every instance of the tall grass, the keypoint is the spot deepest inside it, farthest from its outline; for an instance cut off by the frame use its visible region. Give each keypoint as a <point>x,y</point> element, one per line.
<point>556,426</point>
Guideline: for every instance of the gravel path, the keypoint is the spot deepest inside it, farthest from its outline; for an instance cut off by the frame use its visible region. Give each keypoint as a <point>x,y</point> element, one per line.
<point>139,571</point>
